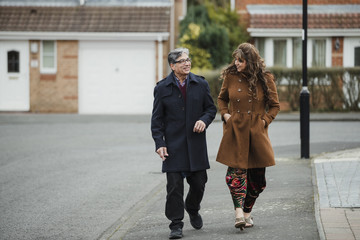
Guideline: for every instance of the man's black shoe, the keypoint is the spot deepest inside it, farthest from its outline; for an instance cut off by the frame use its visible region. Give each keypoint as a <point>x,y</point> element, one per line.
<point>196,221</point>
<point>175,233</point>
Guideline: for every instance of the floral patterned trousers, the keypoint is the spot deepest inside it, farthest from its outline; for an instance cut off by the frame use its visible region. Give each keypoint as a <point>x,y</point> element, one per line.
<point>245,186</point>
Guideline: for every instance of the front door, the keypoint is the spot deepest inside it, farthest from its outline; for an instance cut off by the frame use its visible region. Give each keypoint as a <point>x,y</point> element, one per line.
<point>14,76</point>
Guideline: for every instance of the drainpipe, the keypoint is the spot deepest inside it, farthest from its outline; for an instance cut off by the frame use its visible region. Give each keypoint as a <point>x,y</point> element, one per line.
<point>172,25</point>
<point>184,9</point>
<point>232,5</point>
<point>160,58</point>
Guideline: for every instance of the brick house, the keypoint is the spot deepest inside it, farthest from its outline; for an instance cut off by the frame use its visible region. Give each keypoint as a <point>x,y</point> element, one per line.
<point>276,28</point>
<point>84,56</point>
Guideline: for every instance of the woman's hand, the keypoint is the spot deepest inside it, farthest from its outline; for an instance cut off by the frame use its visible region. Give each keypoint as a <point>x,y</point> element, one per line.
<point>226,117</point>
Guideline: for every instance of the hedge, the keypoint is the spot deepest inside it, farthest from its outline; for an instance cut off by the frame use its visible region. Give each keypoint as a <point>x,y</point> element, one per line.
<point>331,89</point>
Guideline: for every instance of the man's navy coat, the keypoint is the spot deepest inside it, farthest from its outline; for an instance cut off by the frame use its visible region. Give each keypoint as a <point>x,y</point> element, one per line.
<point>173,121</point>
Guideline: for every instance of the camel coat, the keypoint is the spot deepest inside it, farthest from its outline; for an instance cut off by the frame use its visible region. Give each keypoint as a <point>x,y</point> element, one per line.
<point>245,142</point>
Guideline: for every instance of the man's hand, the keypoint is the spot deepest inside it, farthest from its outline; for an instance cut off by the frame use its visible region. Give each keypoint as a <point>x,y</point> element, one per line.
<point>162,153</point>
<point>199,126</point>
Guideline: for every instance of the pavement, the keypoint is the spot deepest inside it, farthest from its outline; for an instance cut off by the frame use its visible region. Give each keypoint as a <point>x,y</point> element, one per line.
<point>315,198</point>
<point>337,194</point>
<point>315,117</point>
<point>283,210</point>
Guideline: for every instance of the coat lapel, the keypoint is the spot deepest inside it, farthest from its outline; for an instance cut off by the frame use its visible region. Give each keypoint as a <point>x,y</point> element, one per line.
<point>192,81</point>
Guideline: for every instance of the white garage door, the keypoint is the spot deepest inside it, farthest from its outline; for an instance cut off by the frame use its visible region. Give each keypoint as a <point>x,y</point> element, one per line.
<point>116,77</point>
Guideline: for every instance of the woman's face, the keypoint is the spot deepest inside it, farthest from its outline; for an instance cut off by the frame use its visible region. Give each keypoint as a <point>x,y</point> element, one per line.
<point>240,64</point>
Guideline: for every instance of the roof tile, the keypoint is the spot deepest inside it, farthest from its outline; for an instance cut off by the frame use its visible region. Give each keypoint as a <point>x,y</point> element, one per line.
<point>85,19</point>
<point>327,21</point>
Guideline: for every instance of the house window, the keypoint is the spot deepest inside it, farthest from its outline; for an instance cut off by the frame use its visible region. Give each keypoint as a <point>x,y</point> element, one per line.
<point>297,52</point>
<point>48,57</point>
<point>357,57</point>
<point>13,62</point>
<point>280,53</point>
<point>319,53</point>
<point>260,44</point>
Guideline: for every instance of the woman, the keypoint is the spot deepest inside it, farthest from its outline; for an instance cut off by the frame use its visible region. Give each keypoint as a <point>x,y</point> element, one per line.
<point>248,102</point>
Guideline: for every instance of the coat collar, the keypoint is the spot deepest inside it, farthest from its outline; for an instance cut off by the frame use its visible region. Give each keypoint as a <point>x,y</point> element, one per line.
<point>170,79</point>
<point>193,78</point>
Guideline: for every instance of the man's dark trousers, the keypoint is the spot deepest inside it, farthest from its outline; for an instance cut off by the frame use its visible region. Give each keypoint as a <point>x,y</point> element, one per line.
<point>174,209</point>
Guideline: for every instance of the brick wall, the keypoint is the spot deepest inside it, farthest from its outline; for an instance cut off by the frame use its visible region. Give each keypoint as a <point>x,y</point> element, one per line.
<point>56,92</point>
<point>337,50</point>
<point>34,76</point>
<point>240,5</point>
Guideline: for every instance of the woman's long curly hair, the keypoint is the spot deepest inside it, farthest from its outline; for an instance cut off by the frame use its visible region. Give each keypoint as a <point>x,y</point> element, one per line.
<point>254,70</point>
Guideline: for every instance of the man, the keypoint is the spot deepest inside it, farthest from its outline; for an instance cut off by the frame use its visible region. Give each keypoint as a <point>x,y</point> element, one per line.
<point>183,109</point>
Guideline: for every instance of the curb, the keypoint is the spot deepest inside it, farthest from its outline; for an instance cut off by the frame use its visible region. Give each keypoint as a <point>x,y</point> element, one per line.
<point>119,229</point>
<point>314,117</point>
<point>316,202</point>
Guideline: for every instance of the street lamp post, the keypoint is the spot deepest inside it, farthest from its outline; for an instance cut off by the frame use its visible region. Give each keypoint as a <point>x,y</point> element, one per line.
<point>304,94</point>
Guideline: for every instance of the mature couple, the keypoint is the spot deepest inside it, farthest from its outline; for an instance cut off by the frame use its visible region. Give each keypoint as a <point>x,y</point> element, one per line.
<point>183,109</point>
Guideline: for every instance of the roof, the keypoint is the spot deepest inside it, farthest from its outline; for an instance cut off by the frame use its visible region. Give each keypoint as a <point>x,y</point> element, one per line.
<point>319,16</point>
<point>338,21</point>
<point>85,19</point>
<point>297,9</point>
<point>73,3</point>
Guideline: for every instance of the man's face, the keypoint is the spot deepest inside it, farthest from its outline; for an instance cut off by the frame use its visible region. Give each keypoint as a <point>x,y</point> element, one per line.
<point>183,65</point>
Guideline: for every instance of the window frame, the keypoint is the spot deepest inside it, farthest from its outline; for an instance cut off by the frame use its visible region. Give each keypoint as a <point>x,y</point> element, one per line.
<point>260,45</point>
<point>356,48</point>
<point>18,62</point>
<point>286,52</point>
<point>48,70</point>
<point>296,40</point>
<point>313,53</point>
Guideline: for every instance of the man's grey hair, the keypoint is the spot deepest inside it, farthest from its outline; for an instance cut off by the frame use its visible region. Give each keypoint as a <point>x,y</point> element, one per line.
<point>176,53</point>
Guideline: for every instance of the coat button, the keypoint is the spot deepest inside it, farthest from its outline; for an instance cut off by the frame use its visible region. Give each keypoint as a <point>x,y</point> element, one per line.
<point>238,111</point>
<point>239,90</point>
<point>249,112</point>
<point>183,108</point>
<point>239,80</point>
<point>238,100</point>
<point>179,95</point>
<point>249,100</point>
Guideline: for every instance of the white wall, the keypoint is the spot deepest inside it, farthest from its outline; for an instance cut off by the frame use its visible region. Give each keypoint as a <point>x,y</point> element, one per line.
<point>349,49</point>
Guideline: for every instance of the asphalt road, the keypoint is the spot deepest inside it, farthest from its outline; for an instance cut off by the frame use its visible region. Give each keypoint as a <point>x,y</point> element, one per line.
<point>75,176</point>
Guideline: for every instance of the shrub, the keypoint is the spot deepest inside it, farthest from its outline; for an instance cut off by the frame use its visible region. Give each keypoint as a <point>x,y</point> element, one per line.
<point>331,89</point>
<point>212,31</point>
<point>212,76</point>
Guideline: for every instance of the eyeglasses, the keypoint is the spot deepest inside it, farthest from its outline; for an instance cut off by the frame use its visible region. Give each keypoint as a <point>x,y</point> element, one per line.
<point>182,61</point>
